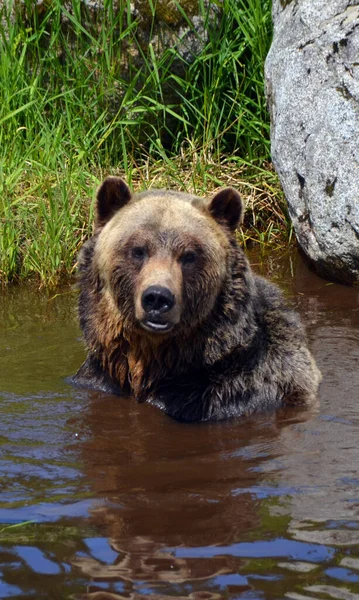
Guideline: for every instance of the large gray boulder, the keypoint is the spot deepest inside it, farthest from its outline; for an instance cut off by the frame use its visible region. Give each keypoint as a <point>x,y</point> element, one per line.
<point>312,84</point>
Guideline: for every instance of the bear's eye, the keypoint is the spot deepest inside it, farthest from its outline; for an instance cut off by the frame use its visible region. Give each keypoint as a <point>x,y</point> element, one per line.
<point>138,252</point>
<point>188,257</point>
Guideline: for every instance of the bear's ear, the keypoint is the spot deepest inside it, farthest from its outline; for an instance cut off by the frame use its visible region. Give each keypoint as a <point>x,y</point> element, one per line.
<point>112,195</point>
<point>227,207</point>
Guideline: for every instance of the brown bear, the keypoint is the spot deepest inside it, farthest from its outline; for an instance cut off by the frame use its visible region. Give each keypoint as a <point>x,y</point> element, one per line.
<point>172,313</point>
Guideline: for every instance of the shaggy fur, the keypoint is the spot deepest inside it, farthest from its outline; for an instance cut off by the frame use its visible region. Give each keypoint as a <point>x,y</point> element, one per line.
<point>233,347</point>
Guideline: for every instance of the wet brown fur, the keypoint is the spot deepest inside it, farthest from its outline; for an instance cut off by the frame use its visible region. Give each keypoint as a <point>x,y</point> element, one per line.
<point>234,349</point>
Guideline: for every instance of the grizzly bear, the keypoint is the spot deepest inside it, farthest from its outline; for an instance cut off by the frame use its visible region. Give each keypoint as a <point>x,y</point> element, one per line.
<point>172,313</point>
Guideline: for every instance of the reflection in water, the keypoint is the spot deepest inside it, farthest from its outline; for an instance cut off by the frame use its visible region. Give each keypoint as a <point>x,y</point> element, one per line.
<point>127,503</point>
<point>170,486</point>
<point>110,596</point>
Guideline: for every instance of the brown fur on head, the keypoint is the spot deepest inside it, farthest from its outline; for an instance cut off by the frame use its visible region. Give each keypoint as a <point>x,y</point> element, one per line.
<point>162,255</point>
<point>150,275</point>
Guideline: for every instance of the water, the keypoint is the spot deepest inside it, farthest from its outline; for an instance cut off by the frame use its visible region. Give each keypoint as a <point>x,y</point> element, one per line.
<point>126,503</point>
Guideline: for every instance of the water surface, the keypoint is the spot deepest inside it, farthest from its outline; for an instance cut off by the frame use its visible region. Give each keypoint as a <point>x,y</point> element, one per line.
<point>123,502</point>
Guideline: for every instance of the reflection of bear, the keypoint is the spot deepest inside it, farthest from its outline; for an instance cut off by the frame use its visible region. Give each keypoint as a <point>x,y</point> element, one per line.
<point>172,312</point>
<point>172,508</point>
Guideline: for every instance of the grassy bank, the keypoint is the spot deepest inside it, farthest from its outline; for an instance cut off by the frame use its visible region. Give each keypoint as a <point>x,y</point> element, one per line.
<point>74,107</point>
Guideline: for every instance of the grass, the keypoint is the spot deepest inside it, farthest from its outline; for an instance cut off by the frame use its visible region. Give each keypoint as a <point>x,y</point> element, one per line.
<point>74,106</point>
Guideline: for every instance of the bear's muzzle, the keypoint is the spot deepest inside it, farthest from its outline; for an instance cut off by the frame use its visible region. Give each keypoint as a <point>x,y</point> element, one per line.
<point>156,302</point>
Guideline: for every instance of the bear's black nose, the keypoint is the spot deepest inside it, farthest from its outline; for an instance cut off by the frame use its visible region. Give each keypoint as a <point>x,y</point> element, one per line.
<point>157,298</point>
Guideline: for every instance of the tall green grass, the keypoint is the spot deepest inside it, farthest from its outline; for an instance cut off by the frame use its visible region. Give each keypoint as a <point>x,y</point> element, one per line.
<point>74,106</point>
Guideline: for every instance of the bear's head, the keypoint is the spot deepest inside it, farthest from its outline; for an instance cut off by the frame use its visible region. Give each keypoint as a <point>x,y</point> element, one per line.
<point>161,257</point>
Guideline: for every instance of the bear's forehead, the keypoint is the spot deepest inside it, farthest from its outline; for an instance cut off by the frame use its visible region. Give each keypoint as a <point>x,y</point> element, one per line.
<point>158,215</point>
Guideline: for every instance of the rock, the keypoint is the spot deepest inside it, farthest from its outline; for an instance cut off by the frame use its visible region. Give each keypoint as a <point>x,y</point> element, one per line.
<point>312,86</point>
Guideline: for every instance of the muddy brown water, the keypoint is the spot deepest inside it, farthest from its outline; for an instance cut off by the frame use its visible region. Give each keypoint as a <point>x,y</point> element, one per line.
<point>126,503</point>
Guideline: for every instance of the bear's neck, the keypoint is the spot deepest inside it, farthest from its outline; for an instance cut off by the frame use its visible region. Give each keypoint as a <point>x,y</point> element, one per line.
<point>138,360</point>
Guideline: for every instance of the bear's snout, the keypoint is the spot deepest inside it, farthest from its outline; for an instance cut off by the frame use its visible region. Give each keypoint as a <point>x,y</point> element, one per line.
<point>157,302</point>
<point>157,299</point>
<point>158,295</point>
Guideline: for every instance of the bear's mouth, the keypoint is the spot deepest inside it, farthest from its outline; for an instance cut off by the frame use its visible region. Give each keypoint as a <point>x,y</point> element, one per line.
<point>154,326</point>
